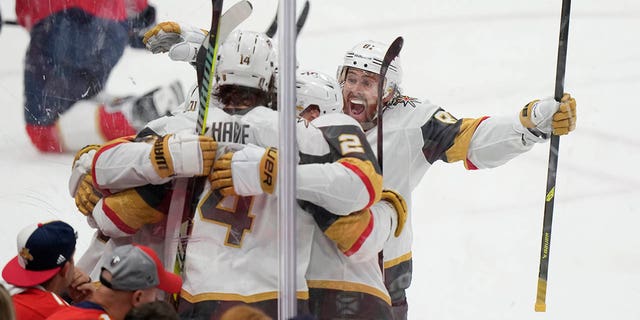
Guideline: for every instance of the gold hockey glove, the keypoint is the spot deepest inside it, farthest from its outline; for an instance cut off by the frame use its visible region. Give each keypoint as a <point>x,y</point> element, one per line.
<point>543,117</point>
<point>86,195</point>
<point>180,40</point>
<point>250,171</point>
<point>398,203</point>
<point>564,120</point>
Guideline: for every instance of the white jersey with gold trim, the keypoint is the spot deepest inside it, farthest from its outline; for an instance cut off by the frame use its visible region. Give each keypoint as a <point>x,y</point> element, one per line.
<point>416,134</point>
<point>232,253</point>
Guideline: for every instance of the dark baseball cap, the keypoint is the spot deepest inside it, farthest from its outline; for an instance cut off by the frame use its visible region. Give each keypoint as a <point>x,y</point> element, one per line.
<point>43,249</point>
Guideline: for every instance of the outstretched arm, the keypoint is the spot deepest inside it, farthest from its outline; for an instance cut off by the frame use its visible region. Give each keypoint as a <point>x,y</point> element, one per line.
<point>500,139</point>
<point>488,142</point>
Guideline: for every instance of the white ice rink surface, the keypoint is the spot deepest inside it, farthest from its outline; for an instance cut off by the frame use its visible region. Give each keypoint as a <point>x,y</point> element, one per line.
<point>477,234</point>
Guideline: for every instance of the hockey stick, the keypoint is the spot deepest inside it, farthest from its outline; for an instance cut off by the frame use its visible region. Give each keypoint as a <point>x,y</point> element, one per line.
<point>392,52</point>
<point>553,163</point>
<point>233,17</point>
<point>302,19</point>
<point>186,189</point>
<point>271,31</point>
<point>229,20</point>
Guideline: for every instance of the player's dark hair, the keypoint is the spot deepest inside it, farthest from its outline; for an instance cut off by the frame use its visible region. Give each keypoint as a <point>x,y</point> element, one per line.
<point>241,96</point>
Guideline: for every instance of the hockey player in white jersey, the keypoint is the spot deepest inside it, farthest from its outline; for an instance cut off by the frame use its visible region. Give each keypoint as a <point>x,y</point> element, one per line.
<point>362,281</point>
<point>344,263</point>
<point>316,94</point>
<point>232,255</point>
<point>417,133</point>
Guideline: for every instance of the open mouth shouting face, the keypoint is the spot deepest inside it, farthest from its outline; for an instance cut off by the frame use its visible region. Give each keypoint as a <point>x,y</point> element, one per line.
<point>360,93</point>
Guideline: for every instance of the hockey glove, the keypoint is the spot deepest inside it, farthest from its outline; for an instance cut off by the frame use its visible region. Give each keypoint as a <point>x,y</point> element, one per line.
<point>543,117</point>
<point>398,203</point>
<point>138,23</point>
<point>183,155</point>
<point>247,172</point>
<point>86,195</point>
<point>180,40</point>
<point>81,166</point>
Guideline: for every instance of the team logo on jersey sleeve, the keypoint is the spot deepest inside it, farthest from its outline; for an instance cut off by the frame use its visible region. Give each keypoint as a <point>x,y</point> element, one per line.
<point>445,117</point>
<point>405,100</point>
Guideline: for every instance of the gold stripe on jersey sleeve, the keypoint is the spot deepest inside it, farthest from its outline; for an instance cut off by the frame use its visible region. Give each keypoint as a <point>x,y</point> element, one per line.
<point>371,178</point>
<point>346,231</point>
<point>208,296</point>
<point>458,151</point>
<point>397,261</point>
<point>349,286</point>
<point>131,209</point>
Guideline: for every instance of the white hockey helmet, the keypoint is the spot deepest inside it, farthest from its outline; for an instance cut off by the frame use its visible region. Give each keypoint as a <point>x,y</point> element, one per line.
<point>368,56</point>
<point>245,58</point>
<point>315,88</point>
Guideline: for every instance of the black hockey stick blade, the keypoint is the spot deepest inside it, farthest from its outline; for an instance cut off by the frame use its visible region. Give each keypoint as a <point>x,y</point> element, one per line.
<point>302,19</point>
<point>545,246</point>
<point>271,31</point>
<point>392,52</point>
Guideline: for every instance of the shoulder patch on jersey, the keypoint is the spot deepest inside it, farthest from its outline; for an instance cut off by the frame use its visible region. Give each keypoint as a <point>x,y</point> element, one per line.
<point>438,135</point>
<point>404,100</point>
<point>445,117</point>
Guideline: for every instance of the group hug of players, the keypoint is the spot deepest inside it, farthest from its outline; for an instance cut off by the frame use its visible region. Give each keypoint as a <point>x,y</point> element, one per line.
<point>348,212</point>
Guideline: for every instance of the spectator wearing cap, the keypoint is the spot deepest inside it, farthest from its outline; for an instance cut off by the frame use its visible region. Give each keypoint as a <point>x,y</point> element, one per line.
<point>128,279</point>
<point>43,270</point>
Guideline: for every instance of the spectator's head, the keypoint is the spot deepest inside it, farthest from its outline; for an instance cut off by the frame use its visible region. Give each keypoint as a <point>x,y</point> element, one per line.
<point>130,278</point>
<point>156,310</point>
<point>45,257</point>
<point>6,305</point>
<point>244,312</point>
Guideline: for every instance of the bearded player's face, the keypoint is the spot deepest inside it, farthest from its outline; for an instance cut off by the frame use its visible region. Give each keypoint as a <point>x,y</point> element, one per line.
<point>360,94</point>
